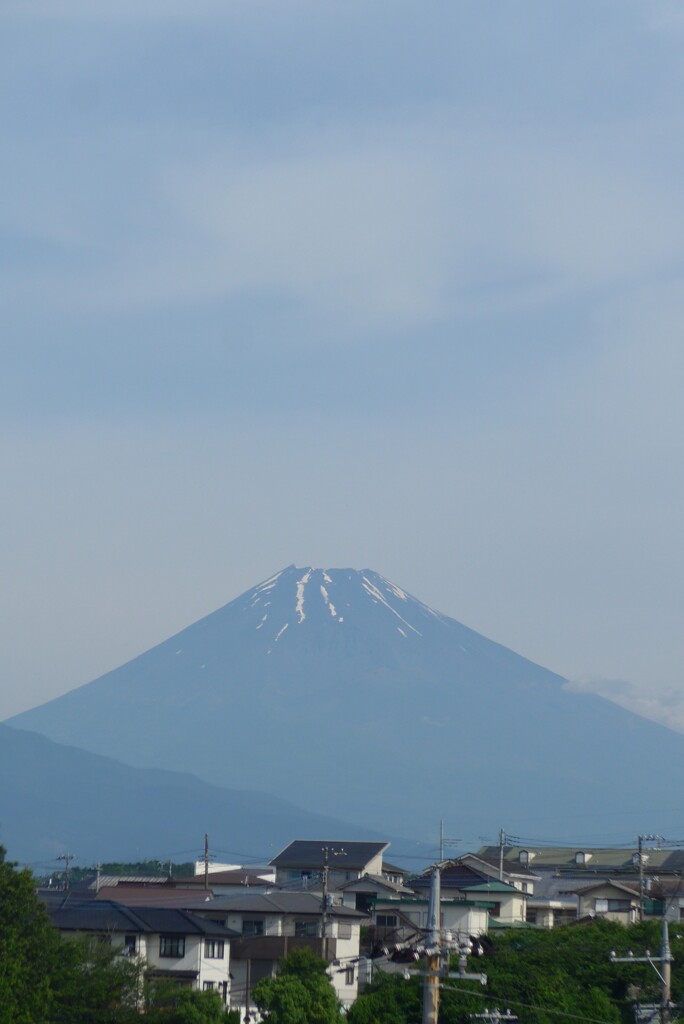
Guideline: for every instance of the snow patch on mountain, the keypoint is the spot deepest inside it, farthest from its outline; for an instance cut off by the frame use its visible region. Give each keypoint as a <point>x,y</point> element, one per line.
<point>301,584</point>
<point>326,598</point>
<point>376,595</point>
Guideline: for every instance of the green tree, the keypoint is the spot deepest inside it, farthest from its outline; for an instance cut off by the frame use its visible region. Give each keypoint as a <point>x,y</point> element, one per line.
<point>166,1003</point>
<point>300,994</point>
<point>545,977</point>
<point>389,999</point>
<point>91,981</point>
<point>28,945</point>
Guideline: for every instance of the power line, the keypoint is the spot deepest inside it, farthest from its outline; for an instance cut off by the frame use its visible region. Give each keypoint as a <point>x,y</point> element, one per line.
<point>527,1006</point>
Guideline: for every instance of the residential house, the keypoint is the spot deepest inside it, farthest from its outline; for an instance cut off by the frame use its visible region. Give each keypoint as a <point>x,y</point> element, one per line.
<point>461,880</point>
<point>610,899</point>
<point>562,870</point>
<point>177,945</point>
<point>303,861</point>
<point>270,925</point>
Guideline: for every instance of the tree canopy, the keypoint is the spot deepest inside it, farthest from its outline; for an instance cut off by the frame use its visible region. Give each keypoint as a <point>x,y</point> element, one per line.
<point>300,994</point>
<point>28,945</point>
<point>560,976</point>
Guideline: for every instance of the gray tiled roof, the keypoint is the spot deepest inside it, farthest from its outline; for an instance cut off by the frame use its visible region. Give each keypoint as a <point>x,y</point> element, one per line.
<point>308,853</point>
<point>103,916</point>
<point>274,903</point>
<point>371,882</point>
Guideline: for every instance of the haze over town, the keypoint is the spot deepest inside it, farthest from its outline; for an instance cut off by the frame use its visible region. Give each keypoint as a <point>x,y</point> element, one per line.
<point>392,285</point>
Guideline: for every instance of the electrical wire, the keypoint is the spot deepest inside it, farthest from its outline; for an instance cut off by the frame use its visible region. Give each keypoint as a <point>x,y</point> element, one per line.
<point>527,1006</point>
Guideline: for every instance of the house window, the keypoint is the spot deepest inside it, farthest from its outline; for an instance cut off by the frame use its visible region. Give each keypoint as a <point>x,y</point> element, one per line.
<point>213,949</point>
<point>344,930</point>
<point>208,986</point>
<point>495,910</point>
<point>129,945</point>
<point>619,906</point>
<point>172,946</point>
<point>386,920</point>
<point>306,928</point>
<point>524,857</point>
<point>349,976</point>
<point>252,926</point>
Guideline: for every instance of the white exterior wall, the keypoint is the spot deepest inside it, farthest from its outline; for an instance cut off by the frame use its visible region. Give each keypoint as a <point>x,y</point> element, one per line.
<point>272,922</point>
<point>347,951</point>
<point>208,968</point>
<point>462,919</point>
<point>513,907</point>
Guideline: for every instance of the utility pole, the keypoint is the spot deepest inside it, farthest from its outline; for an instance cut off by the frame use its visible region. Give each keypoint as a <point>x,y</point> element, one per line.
<point>640,855</point>
<point>98,868</point>
<point>665,974</point>
<point>248,991</point>
<point>435,949</point>
<point>432,952</point>
<point>441,840</point>
<point>67,858</point>
<point>666,962</point>
<point>502,843</point>
<point>206,861</point>
<point>324,901</point>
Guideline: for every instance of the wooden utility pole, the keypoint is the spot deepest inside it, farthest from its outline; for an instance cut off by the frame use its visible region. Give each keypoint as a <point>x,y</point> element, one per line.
<point>502,843</point>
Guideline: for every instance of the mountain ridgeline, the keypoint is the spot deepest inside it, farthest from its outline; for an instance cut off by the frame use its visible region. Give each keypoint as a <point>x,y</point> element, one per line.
<point>336,690</point>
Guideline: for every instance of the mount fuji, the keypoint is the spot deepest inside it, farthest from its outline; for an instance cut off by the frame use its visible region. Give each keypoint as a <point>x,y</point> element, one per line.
<point>336,690</point>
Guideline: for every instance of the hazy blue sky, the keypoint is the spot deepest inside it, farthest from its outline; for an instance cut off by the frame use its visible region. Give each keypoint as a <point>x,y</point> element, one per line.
<point>390,284</point>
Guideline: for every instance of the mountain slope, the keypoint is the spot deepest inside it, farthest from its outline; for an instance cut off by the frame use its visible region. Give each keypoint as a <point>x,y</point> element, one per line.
<point>63,800</point>
<point>339,691</point>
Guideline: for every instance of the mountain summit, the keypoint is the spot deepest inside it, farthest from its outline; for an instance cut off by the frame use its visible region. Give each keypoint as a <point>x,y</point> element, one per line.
<point>337,690</point>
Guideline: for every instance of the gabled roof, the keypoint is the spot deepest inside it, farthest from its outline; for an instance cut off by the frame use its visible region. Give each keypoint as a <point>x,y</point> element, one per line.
<point>309,853</point>
<point>393,869</point>
<point>372,883</point>
<point>454,874</point>
<point>232,877</point>
<point>509,867</point>
<point>602,884</point>
<point>300,903</point>
<point>104,916</point>
<point>133,896</point>
<point>501,887</point>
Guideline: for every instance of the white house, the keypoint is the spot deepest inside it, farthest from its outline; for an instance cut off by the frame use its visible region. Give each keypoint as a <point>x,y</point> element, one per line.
<point>270,925</point>
<point>303,861</point>
<point>174,944</point>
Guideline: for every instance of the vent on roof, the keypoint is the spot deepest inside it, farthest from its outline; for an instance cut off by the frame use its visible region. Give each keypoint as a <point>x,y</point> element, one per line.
<point>525,856</point>
<point>581,857</point>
